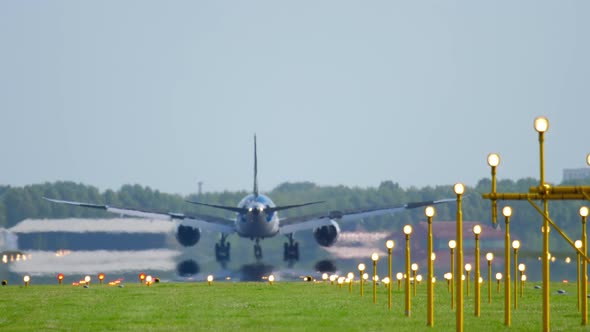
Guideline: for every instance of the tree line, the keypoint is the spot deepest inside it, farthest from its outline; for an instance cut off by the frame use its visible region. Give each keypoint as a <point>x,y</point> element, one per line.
<point>19,203</point>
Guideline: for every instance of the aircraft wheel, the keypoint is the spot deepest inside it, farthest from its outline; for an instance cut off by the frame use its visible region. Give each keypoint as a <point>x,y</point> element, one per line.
<point>257,252</point>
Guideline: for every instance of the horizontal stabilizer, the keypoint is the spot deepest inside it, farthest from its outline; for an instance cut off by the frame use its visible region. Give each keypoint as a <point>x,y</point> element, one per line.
<point>223,207</point>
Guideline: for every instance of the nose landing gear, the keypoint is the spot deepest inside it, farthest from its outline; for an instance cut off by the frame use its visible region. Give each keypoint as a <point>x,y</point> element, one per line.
<point>257,250</point>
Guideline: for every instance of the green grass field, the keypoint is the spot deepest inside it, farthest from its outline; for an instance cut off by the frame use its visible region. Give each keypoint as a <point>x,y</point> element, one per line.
<point>287,306</point>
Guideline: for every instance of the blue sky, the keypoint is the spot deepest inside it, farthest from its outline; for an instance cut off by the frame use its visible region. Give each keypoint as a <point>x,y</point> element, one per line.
<point>166,94</point>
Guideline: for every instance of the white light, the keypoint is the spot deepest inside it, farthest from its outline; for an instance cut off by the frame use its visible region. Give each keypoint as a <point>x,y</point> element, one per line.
<point>375,257</point>
<point>493,159</point>
<point>407,229</point>
<point>429,211</point>
<point>452,244</point>
<point>390,244</point>
<point>459,188</point>
<point>515,244</point>
<point>467,267</point>
<point>414,267</point>
<point>26,278</point>
<point>489,256</point>
<point>541,124</point>
<point>361,267</point>
<point>507,211</point>
<point>399,276</point>
<point>498,276</point>
<point>477,229</point>
<point>584,211</point>
<point>521,267</point>
<point>271,278</point>
<point>210,278</point>
<point>578,244</point>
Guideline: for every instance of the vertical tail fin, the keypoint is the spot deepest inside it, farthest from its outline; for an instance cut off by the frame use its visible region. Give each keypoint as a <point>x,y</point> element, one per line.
<point>255,169</point>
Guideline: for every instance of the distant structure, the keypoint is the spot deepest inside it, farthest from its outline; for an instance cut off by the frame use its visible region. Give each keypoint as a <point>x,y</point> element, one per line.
<point>200,188</point>
<point>86,234</point>
<point>576,174</point>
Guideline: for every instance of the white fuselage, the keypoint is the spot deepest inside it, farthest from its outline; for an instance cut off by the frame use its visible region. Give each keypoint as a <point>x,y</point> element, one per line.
<point>257,222</point>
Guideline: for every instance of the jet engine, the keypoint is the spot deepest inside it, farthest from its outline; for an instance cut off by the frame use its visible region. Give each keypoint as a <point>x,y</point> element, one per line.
<point>187,236</point>
<point>327,235</point>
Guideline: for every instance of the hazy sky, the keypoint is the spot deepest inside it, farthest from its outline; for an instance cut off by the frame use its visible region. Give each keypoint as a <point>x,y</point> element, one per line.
<point>169,93</point>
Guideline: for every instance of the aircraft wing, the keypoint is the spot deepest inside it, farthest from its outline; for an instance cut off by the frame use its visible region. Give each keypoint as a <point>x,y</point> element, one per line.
<point>209,223</point>
<point>295,224</point>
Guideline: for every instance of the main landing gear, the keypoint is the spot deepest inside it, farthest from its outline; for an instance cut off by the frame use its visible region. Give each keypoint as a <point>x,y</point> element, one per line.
<point>257,250</point>
<point>222,250</point>
<point>291,252</point>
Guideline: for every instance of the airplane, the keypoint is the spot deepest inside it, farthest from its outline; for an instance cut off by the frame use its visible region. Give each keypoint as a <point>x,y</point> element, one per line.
<point>257,218</point>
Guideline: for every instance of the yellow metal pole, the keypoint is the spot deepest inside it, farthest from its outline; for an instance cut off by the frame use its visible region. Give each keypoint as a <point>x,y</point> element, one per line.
<point>516,278</point>
<point>494,200</point>
<point>494,161</point>
<point>521,284</point>
<point>430,289</point>
<point>584,271</point>
<point>467,285</point>
<point>361,272</point>
<point>407,290</point>
<point>459,190</point>
<point>507,273</point>
<point>489,281</point>
<point>374,281</point>
<point>476,277</point>
<point>546,272</point>
<point>541,125</point>
<point>390,278</point>
<point>452,278</point>
<point>578,274</point>
<point>415,282</point>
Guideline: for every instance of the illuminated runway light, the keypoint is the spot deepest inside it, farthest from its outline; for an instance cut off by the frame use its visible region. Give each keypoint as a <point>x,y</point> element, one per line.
<point>26,279</point>
<point>60,278</point>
